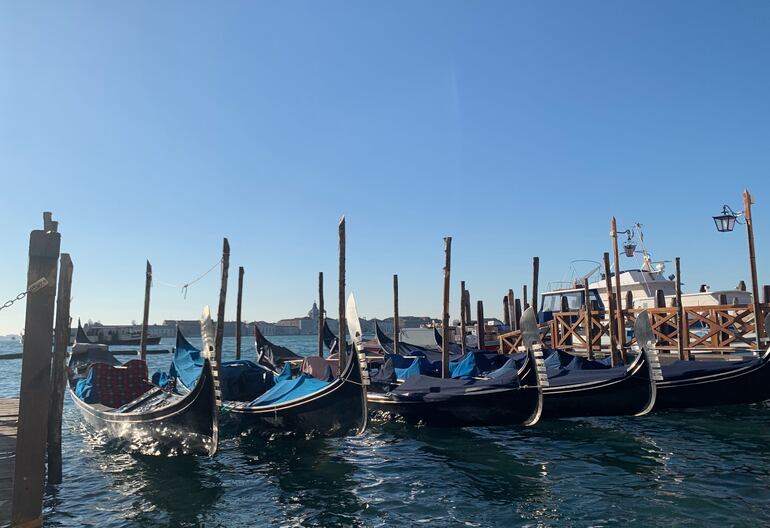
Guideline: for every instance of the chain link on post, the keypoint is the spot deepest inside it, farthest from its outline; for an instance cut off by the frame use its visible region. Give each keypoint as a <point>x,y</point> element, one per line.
<point>35,286</point>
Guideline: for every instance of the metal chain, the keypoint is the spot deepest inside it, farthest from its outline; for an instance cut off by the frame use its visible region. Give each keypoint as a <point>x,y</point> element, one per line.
<point>35,286</point>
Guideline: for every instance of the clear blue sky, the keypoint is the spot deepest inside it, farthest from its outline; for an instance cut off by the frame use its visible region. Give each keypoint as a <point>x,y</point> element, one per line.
<point>152,130</point>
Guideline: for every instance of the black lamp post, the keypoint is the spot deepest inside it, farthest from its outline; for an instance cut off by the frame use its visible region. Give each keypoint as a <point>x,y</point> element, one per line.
<point>726,223</point>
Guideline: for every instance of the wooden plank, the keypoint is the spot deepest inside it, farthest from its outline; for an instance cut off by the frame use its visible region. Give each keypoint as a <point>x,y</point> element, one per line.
<point>35,393</point>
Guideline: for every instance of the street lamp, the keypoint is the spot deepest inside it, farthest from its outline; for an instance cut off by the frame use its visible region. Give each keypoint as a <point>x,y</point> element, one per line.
<point>726,221</point>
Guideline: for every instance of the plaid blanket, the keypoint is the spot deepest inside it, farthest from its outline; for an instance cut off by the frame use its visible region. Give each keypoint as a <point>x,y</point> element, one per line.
<point>118,385</point>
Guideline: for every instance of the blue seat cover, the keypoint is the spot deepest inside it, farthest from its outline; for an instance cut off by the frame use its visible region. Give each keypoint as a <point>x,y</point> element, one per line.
<point>290,389</point>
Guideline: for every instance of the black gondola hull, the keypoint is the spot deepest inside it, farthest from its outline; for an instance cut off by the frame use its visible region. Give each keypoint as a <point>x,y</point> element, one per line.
<point>633,394</point>
<point>336,410</point>
<point>504,406</point>
<point>188,425</point>
<point>746,385</point>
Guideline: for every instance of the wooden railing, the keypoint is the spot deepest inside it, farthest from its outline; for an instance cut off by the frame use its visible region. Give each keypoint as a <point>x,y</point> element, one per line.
<point>717,328</point>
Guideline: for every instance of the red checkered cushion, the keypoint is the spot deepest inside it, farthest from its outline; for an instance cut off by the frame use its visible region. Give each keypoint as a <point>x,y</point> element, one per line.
<point>117,385</point>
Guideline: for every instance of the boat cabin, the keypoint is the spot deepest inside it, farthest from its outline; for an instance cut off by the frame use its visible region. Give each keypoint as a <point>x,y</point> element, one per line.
<point>553,302</point>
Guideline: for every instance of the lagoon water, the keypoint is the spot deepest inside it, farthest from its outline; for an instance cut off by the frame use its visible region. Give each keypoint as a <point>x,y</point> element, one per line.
<point>702,467</point>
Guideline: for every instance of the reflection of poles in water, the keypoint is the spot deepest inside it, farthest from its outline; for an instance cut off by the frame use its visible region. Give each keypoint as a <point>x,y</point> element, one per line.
<point>315,470</point>
<point>180,487</point>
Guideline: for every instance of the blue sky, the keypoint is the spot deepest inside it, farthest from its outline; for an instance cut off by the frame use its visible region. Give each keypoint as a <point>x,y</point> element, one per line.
<point>152,130</point>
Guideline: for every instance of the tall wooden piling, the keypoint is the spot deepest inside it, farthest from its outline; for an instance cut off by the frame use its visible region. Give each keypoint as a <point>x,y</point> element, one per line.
<point>481,335</point>
<point>59,369</point>
<point>321,314</point>
<point>621,321</point>
<point>396,320</point>
<point>342,343</point>
<point>611,323</point>
<point>463,319</point>
<point>35,392</point>
<point>589,319</point>
<point>524,303</point>
<point>239,300</point>
<point>506,312</point>
<point>517,313</point>
<point>445,313</point>
<point>146,312</point>
<point>535,280</point>
<point>220,332</point>
<point>753,268</point>
<point>682,326</point>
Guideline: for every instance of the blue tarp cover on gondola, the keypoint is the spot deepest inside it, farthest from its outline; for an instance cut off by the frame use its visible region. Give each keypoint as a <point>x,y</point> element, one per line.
<point>241,380</point>
<point>291,389</point>
<point>285,373</point>
<point>187,362</point>
<point>465,369</point>
<point>84,389</point>
<point>679,370</point>
<point>427,388</point>
<point>419,365</point>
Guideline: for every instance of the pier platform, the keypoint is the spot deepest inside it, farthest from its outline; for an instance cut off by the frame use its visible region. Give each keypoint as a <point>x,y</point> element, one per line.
<point>9,417</point>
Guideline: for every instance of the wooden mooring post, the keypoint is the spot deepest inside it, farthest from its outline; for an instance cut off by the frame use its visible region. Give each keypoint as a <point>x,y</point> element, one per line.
<point>506,312</point>
<point>682,326</point>
<point>396,322</point>
<point>35,392</point>
<point>611,323</point>
<point>589,320</point>
<point>238,301</point>
<point>445,312</point>
<point>463,319</point>
<point>59,369</point>
<point>481,335</point>
<point>535,280</point>
<point>146,313</point>
<point>321,314</point>
<point>220,332</point>
<point>512,311</point>
<point>342,341</point>
<point>621,321</point>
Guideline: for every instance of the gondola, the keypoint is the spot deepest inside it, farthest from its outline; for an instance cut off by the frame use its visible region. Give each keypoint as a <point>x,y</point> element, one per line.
<point>688,384</point>
<point>598,390</point>
<point>501,397</point>
<point>117,400</point>
<point>301,406</point>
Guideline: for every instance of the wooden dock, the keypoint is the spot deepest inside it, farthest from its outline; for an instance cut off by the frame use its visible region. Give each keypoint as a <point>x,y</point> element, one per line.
<point>9,417</point>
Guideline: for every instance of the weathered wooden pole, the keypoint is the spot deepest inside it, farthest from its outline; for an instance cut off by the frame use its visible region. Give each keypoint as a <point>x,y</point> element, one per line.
<point>146,313</point>
<point>506,312</point>
<point>682,326</point>
<point>517,313</point>
<point>445,313</point>
<point>758,318</point>
<point>35,391</point>
<point>589,320</point>
<point>238,323</point>
<point>59,369</point>
<point>220,332</point>
<point>535,280</point>
<point>766,294</point>
<point>321,314</point>
<point>618,293</point>
<point>480,330</point>
<point>565,308</point>
<point>342,343</point>
<point>524,303</point>
<point>629,300</point>
<point>512,311</point>
<point>610,310</point>
<point>396,321</point>
<point>463,318</point>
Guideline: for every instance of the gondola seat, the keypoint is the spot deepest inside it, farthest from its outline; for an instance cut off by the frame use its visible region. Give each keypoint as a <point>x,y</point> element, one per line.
<point>114,386</point>
<point>317,366</point>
